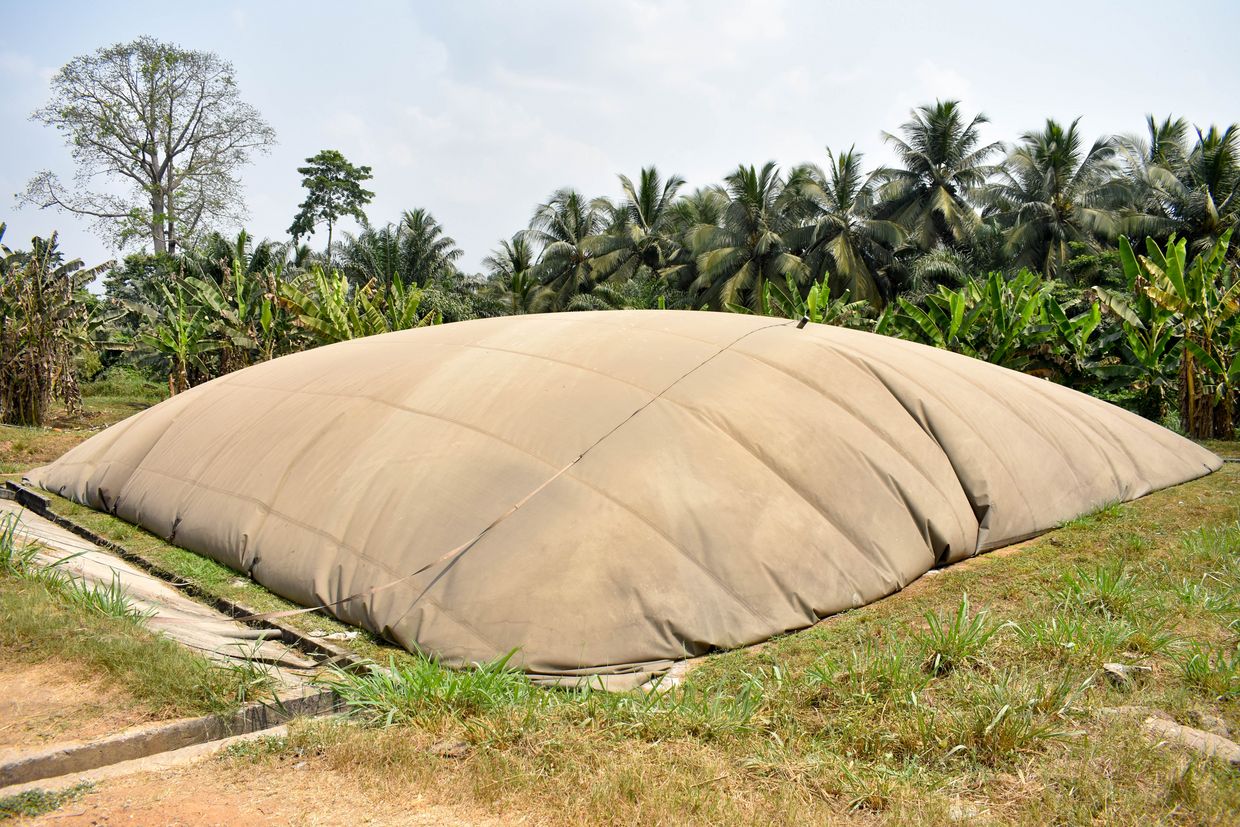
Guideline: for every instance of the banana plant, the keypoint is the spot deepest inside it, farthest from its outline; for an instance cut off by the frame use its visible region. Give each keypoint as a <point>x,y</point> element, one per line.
<point>246,312</point>
<point>46,319</point>
<point>818,306</point>
<point>1203,301</point>
<point>1075,353</point>
<point>180,330</point>
<point>997,320</point>
<point>1148,339</point>
<point>330,311</point>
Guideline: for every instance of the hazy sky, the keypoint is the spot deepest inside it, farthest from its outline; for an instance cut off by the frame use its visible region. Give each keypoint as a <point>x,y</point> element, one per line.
<point>479,110</point>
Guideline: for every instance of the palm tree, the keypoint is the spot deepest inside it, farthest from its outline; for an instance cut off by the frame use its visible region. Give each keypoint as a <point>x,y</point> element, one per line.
<point>511,273</point>
<point>215,256</point>
<point>564,227</point>
<point>1051,193</point>
<point>427,255</point>
<point>641,241</point>
<point>737,259</point>
<point>371,255</point>
<point>942,166</point>
<point>413,251</point>
<point>841,236</point>
<point>1192,192</point>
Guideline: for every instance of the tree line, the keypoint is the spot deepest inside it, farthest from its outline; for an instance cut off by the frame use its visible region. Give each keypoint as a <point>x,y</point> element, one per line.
<point>1016,253</point>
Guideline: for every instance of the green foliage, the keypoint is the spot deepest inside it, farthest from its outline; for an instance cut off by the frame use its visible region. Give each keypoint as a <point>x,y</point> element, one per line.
<point>1214,672</point>
<point>1108,589</point>
<point>874,674</point>
<point>36,802</point>
<point>1010,260</point>
<point>817,305</point>
<point>330,310</point>
<point>1007,720</point>
<point>1052,194</point>
<point>180,330</point>
<point>400,693</point>
<point>46,320</point>
<point>737,259</point>
<point>334,191</point>
<point>839,232</point>
<point>1198,304</point>
<point>958,641</point>
<point>942,163</point>
<point>15,560</point>
<point>1013,322</point>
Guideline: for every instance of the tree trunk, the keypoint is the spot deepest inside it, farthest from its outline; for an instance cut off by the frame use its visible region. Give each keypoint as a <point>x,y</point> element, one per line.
<point>157,221</point>
<point>329,245</point>
<point>168,218</point>
<point>1201,415</point>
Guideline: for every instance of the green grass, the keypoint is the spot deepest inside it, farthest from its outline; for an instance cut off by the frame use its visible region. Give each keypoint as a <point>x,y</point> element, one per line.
<point>957,642</point>
<point>34,803</point>
<point>45,614</point>
<point>899,712</point>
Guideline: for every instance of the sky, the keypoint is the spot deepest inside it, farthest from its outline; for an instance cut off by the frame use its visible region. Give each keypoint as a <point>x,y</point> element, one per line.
<point>478,111</point>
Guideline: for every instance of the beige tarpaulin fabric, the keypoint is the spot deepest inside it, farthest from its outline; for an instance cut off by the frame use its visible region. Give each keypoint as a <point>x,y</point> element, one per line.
<point>687,481</point>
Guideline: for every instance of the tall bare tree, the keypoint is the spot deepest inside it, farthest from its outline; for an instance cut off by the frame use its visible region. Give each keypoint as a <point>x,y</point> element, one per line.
<point>167,131</point>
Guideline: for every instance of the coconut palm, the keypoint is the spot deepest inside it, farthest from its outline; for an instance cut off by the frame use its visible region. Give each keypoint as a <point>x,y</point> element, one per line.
<point>511,273</point>
<point>414,251</point>
<point>426,254</point>
<point>371,255</point>
<point>1051,192</point>
<point>841,237</point>
<point>943,163</point>
<point>1194,191</point>
<point>737,259</point>
<point>217,256</point>
<point>564,227</point>
<point>640,241</point>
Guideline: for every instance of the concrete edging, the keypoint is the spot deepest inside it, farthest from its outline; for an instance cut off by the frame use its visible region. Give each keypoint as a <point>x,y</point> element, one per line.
<point>42,506</point>
<point>64,759</point>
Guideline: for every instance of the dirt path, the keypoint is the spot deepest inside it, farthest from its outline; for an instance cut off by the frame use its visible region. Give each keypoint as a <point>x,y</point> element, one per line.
<point>219,793</point>
<point>48,702</point>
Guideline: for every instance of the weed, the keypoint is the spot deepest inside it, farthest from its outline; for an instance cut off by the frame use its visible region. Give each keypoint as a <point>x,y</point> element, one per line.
<point>688,710</point>
<point>15,560</point>
<point>1151,638</point>
<point>252,678</point>
<point>251,748</point>
<point>1109,589</point>
<point>1106,513</point>
<point>1005,721</point>
<point>1215,672</point>
<point>34,803</point>
<point>957,642</point>
<point>401,693</point>
<point>1215,546</point>
<point>109,600</point>
<point>870,675</point>
<point>163,677</point>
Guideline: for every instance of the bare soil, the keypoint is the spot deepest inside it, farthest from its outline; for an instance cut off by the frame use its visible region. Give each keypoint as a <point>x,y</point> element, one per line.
<point>49,702</point>
<point>220,793</point>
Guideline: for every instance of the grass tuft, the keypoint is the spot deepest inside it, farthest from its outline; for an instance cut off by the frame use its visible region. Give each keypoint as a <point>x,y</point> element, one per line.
<point>1212,671</point>
<point>423,689</point>
<point>1108,589</point>
<point>957,641</point>
<point>870,675</point>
